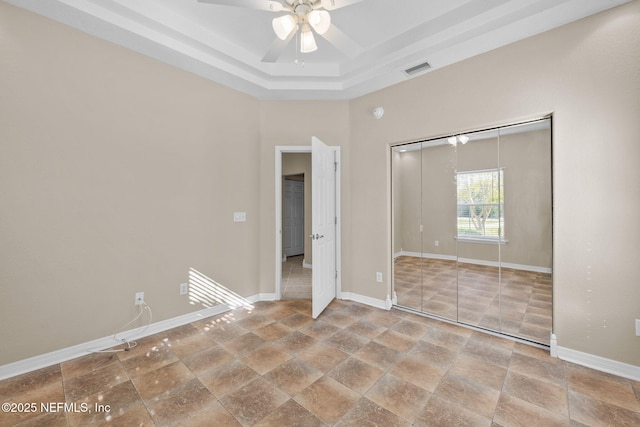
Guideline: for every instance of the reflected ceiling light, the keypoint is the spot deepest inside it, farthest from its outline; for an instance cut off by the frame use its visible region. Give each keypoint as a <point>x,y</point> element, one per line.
<point>307,41</point>
<point>283,26</point>
<point>453,140</point>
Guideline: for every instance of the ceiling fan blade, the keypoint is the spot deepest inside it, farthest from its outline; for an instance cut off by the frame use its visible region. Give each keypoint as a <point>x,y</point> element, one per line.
<point>342,42</point>
<point>277,47</point>
<point>268,5</point>
<point>337,4</point>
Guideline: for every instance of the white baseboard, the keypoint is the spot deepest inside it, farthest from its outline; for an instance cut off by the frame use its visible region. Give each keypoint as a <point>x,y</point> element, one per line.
<point>58,356</point>
<point>374,302</point>
<point>37,362</point>
<point>523,267</point>
<point>600,363</point>
<point>425,255</point>
<point>304,262</point>
<point>264,297</point>
<point>553,346</point>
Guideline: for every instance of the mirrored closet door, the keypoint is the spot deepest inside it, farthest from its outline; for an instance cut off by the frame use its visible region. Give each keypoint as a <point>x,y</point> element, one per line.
<point>472,229</point>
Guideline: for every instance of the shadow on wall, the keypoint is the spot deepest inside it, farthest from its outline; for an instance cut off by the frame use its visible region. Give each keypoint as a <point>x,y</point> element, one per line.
<point>207,292</point>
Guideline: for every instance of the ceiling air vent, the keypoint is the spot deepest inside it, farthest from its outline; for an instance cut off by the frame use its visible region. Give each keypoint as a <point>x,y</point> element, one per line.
<point>416,69</point>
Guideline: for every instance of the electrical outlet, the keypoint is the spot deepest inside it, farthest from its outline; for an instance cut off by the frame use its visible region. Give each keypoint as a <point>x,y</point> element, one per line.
<point>638,327</point>
<point>379,277</point>
<point>139,298</point>
<point>436,243</point>
<point>184,288</point>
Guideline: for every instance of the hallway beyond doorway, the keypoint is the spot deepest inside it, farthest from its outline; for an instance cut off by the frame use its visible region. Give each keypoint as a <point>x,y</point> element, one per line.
<point>296,280</point>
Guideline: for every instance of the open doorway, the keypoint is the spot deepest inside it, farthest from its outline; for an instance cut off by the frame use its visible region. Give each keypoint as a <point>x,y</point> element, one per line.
<point>322,218</point>
<point>296,208</point>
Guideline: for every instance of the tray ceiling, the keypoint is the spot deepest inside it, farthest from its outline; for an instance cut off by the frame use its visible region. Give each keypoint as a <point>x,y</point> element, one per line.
<point>226,44</point>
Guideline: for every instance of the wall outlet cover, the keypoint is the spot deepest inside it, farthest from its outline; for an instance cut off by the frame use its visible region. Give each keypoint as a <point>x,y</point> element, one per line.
<point>139,299</point>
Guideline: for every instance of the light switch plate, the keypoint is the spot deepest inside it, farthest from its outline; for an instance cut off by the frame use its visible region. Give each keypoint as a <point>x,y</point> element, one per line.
<point>239,216</point>
<point>638,327</point>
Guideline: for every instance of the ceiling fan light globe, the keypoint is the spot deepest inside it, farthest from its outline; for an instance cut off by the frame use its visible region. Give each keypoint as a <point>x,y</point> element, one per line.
<point>320,20</point>
<point>307,42</point>
<point>283,26</point>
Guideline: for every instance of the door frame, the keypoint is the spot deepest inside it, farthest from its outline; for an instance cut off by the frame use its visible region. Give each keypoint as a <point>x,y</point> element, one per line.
<point>280,150</point>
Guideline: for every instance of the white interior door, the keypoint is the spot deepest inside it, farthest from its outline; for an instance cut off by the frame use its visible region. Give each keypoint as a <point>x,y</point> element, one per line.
<point>323,225</point>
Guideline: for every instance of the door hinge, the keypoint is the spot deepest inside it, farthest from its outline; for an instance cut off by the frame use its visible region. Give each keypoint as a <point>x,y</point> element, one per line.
<point>336,274</point>
<point>336,220</point>
<point>335,166</point>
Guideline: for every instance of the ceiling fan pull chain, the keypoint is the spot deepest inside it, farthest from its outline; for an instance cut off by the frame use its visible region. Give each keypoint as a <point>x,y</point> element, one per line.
<point>297,61</point>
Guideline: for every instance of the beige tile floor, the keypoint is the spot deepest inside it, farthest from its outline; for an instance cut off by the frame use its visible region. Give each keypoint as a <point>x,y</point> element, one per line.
<point>296,279</point>
<point>273,365</point>
<point>517,303</point>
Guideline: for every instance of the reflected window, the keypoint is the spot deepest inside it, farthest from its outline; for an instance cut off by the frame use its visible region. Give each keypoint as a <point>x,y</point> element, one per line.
<point>480,213</point>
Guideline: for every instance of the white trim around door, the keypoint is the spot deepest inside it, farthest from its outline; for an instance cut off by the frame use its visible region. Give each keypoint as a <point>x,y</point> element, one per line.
<point>280,150</point>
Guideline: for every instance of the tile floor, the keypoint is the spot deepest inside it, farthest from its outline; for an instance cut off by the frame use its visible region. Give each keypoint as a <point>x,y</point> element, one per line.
<point>355,365</point>
<point>296,279</point>
<point>468,293</point>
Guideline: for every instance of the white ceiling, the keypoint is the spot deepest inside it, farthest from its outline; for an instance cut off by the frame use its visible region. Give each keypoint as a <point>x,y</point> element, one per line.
<point>226,44</point>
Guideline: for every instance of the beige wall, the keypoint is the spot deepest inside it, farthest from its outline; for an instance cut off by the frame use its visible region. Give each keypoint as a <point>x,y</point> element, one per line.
<point>425,193</point>
<point>293,123</point>
<point>406,178</point>
<point>586,73</point>
<point>526,158</point>
<point>117,174</point>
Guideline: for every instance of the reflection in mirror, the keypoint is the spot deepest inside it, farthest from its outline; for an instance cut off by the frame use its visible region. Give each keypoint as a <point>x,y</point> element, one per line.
<point>479,225</point>
<point>439,275</point>
<point>406,192</point>
<point>525,260</point>
<point>472,229</point>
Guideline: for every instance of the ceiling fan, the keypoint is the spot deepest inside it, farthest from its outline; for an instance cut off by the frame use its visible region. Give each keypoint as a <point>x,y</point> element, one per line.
<point>302,15</point>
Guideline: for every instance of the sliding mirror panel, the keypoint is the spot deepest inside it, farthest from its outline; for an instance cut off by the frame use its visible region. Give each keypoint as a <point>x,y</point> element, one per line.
<point>439,273</point>
<point>525,258</point>
<point>406,170</point>
<point>472,229</point>
<point>479,228</point>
